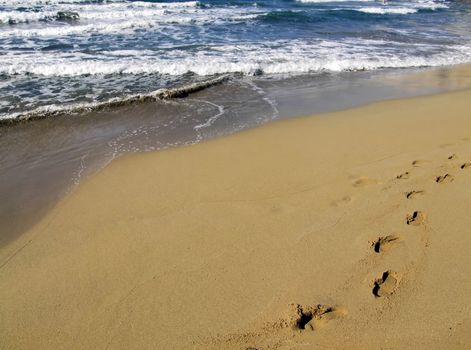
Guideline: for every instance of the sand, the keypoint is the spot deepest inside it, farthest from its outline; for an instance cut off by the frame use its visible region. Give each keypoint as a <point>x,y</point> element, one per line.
<point>348,230</point>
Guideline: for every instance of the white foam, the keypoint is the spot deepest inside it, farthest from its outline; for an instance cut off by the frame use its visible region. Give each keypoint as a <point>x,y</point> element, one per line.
<point>327,1</point>
<point>29,3</point>
<point>121,18</point>
<point>24,17</point>
<point>117,16</point>
<point>104,12</point>
<point>387,10</point>
<point>272,58</point>
<point>384,8</point>
<point>428,4</point>
<point>212,119</point>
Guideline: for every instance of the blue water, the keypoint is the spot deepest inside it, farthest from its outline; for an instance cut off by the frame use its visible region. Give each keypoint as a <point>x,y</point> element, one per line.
<point>56,53</point>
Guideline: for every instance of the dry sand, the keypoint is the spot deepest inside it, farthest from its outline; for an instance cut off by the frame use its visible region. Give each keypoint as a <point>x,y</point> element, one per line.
<point>349,230</point>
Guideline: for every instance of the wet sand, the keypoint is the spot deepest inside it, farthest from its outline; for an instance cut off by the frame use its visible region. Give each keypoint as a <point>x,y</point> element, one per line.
<point>40,161</point>
<point>342,230</point>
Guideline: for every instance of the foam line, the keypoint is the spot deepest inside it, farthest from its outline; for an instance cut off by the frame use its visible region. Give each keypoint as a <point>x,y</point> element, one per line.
<point>160,94</point>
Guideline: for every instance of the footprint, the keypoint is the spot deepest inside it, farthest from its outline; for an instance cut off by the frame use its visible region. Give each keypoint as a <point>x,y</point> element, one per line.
<point>453,156</point>
<point>364,181</point>
<point>413,194</point>
<point>465,165</point>
<point>416,218</point>
<point>420,162</point>
<point>312,318</point>
<point>385,243</point>
<point>345,200</point>
<point>444,178</point>
<point>403,175</point>
<point>387,284</point>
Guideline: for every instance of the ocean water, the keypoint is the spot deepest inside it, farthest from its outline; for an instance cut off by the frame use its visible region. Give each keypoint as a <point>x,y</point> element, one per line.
<point>63,54</point>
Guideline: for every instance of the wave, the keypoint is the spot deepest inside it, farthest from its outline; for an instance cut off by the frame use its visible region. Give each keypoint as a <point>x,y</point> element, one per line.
<point>385,11</point>
<point>396,7</point>
<point>115,16</point>
<point>13,17</point>
<point>119,18</point>
<point>34,3</point>
<point>327,1</point>
<point>122,27</point>
<point>16,17</point>
<point>104,12</point>
<point>272,58</point>
<point>157,95</point>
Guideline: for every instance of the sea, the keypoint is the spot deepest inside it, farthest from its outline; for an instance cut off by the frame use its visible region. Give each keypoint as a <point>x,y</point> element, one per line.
<point>83,82</point>
<point>61,54</point>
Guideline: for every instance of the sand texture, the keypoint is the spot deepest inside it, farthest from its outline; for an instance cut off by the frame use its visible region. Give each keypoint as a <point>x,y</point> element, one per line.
<point>349,230</point>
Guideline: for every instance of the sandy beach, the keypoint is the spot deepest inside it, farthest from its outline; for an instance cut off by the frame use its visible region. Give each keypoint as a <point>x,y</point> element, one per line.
<point>346,230</point>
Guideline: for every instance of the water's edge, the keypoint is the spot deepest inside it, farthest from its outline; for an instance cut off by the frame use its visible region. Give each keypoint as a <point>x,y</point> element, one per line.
<point>44,159</point>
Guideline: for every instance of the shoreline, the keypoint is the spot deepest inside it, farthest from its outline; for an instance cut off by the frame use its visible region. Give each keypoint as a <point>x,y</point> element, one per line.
<point>43,160</point>
<point>209,246</point>
<point>186,89</point>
